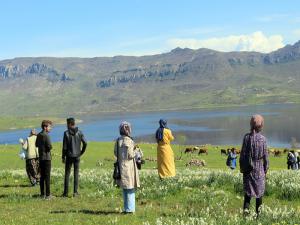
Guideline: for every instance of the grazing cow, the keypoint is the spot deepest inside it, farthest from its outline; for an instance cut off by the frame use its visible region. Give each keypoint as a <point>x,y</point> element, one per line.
<point>196,148</point>
<point>237,151</point>
<point>203,151</point>
<point>271,151</point>
<point>188,150</point>
<point>277,153</point>
<point>223,152</point>
<point>286,150</point>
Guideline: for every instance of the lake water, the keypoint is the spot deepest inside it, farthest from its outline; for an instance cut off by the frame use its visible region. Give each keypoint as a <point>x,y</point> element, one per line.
<point>214,126</point>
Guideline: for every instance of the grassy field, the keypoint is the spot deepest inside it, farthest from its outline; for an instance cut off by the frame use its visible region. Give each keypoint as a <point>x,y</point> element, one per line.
<point>14,123</point>
<point>209,195</point>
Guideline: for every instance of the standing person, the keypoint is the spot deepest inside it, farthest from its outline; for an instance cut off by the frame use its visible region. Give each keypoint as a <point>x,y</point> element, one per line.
<point>74,145</point>
<point>231,160</point>
<point>165,155</point>
<point>32,158</point>
<point>125,152</point>
<point>296,160</point>
<point>254,163</point>
<point>291,160</point>
<point>43,143</point>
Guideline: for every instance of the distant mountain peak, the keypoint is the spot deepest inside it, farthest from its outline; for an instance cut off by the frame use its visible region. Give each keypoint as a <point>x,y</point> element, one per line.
<point>181,50</point>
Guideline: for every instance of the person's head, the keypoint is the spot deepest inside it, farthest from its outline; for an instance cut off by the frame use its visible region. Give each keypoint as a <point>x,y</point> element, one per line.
<point>233,150</point>
<point>32,132</point>
<point>71,123</point>
<point>46,125</point>
<point>163,123</point>
<point>256,123</point>
<point>125,128</point>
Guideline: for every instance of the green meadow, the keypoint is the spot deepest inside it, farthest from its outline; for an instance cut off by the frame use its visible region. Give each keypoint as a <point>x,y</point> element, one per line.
<point>14,123</point>
<point>198,195</point>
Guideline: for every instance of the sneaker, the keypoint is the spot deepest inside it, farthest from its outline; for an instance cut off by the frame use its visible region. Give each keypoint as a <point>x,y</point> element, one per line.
<point>48,197</point>
<point>42,196</point>
<point>76,195</point>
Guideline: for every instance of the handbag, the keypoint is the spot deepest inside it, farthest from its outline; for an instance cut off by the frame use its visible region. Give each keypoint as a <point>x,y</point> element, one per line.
<point>247,163</point>
<point>117,172</point>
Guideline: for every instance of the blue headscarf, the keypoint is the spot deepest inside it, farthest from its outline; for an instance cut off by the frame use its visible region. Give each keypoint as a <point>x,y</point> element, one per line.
<point>160,131</point>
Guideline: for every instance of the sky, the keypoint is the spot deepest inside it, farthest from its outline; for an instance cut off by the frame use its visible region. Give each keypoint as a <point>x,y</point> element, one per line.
<point>90,28</point>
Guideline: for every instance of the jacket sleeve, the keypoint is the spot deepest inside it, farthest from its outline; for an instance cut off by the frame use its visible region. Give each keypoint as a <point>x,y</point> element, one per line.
<point>64,146</point>
<point>266,157</point>
<point>129,144</point>
<point>116,148</point>
<point>48,144</point>
<point>25,145</point>
<point>243,151</point>
<point>84,144</point>
<point>37,141</point>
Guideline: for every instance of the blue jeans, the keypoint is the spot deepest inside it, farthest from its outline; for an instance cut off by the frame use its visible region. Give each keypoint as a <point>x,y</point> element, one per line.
<point>129,200</point>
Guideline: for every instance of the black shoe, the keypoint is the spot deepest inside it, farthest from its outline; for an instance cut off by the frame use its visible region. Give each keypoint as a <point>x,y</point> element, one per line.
<point>64,195</point>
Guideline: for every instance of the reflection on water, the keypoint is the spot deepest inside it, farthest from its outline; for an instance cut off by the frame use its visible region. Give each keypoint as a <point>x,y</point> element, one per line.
<point>214,126</point>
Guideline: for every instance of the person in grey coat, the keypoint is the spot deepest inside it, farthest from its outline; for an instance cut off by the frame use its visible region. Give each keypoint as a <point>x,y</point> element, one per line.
<point>125,152</point>
<point>255,148</point>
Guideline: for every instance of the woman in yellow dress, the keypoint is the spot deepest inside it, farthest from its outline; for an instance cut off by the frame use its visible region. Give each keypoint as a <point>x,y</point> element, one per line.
<point>165,155</point>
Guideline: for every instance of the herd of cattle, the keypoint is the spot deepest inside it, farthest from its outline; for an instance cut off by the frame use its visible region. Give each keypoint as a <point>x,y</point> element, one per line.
<point>204,150</point>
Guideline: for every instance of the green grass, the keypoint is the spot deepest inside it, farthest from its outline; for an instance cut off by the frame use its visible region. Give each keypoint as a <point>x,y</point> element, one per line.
<point>211,195</point>
<point>14,123</point>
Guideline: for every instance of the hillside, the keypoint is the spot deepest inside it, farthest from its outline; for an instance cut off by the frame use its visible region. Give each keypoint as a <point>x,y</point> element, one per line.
<point>182,78</point>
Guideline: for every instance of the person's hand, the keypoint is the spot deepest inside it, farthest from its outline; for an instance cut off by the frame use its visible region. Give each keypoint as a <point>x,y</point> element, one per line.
<point>63,160</point>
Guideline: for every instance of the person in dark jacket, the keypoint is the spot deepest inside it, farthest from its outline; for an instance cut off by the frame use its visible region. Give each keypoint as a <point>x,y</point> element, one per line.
<point>43,143</point>
<point>74,145</point>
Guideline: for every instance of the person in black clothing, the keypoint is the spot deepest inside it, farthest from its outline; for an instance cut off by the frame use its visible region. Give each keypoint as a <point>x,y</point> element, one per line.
<point>43,143</point>
<point>74,145</point>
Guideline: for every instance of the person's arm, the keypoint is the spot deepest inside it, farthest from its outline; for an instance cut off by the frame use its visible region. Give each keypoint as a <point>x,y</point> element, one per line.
<point>130,148</point>
<point>25,145</point>
<point>116,148</point>
<point>266,158</point>
<point>64,148</point>
<point>243,151</point>
<point>37,141</point>
<point>48,144</point>
<point>171,137</point>
<point>84,144</point>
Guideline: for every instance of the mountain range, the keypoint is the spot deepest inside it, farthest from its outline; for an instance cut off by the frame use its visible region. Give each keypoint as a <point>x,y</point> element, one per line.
<point>179,79</point>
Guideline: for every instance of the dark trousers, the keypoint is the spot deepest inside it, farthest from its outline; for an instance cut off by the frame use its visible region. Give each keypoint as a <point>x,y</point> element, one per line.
<point>69,161</point>
<point>247,200</point>
<point>45,167</point>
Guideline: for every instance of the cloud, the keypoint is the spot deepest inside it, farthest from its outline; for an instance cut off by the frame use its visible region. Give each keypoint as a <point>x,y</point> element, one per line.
<point>296,32</point>
<point>256,41</point>
<point>271,17</point>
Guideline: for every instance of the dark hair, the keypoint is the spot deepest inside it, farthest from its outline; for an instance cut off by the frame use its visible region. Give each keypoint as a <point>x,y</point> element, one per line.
<point>71,121</point>
<point>46,123</point>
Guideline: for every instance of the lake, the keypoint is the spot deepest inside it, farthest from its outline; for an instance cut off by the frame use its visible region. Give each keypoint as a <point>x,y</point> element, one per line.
<point>204,126</point>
